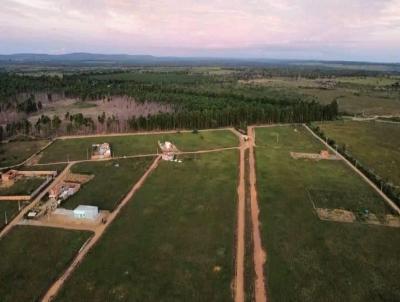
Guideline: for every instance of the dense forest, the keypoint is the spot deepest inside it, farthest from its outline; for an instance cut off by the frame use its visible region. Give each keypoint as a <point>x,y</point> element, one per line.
<point>199,100</point>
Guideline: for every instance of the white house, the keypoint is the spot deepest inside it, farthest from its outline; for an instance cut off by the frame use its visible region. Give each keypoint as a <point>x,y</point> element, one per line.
<point>168,150</point>
<point>86,212</point>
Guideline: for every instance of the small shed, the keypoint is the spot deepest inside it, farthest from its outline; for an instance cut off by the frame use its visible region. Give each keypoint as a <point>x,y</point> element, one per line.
<point>86,212</point>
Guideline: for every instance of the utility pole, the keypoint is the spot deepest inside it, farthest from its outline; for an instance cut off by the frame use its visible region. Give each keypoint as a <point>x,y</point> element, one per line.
<point>5,218</point>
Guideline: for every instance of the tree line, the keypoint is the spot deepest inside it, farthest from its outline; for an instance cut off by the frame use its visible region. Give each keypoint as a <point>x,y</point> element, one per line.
<point>385,185</point>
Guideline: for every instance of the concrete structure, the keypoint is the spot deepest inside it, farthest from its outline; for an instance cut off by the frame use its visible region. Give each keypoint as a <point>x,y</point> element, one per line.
<point>86,212</point>
<point>101,151</point>
<point>168,150</point>
<point>64,190</point>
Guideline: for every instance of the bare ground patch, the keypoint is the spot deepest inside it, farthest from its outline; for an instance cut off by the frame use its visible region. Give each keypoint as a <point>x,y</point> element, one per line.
<point>314,156</point>
<point>340,215</point>
<point>78,178</point>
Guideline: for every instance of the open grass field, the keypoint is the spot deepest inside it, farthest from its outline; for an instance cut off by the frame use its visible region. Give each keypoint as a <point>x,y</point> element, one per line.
<point>79,148</point>
<point>355,102</point>
<point>173,242</point>
<point>112,181</point>
<point>55,167</point>
<point>32,257</point>
<point>13,153</point>
<point>313,260</point>
<point>7,209</point>
<point>24,186</point>
<point>355,95</point>
<point>374,144</point>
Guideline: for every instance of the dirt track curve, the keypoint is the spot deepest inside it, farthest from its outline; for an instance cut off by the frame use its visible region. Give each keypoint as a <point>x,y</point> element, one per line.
<point>53,290</point>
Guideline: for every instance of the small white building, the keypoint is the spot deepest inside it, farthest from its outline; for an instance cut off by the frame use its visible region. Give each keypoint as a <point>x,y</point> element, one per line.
<point>86,212</point>
<point>100,151</point>
<point>168,150</point>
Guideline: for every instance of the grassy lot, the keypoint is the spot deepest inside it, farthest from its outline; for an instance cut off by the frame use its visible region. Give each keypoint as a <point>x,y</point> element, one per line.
<point>32,258</point>
<point>9,209</point>
<point>23,186</point>
<point>174,241</point>
<point>313,260</point>
<point>369,81</point>
<point>355,102</point>
<point>51,167</point>
<point>112,181</point>
<point>77,148</point>
<point>373,143</point>
<point>15,152</point>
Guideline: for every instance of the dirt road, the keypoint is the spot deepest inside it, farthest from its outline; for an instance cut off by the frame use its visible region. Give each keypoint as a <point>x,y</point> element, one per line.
<point>240,232</point>
<point>25,210</point>
<point>259,253</point>
<point>53,290</point>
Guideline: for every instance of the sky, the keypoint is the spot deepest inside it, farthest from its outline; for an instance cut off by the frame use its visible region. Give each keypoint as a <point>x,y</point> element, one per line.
<point>363,30</point>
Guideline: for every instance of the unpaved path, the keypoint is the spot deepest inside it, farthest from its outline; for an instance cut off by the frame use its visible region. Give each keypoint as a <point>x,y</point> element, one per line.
<point>259,254</point>
<point>240,233</point>
<point>53,290</point>
<point>137,156</point>
<point>366,179</point>
<point>25,210</point>
<point>105,135</point>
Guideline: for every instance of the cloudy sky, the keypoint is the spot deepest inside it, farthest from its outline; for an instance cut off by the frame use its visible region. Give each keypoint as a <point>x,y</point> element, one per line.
<point>294,29</point>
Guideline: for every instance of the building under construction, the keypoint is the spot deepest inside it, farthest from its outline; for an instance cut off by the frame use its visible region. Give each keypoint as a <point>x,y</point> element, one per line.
<point>101,151</point>
<point>168,150</point>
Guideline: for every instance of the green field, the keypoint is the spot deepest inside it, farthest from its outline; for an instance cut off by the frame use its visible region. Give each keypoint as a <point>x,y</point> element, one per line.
<point>354,101</point>
<point>374,144</point>
<point>79,148</point>
<point>32,258</point>
<point>112,181</point>
<point>170,241</point>
<point>313,260</point>
<point>23,186</point>
<point>13,153</point>
<point>50,167</point>
<point>7,209</point>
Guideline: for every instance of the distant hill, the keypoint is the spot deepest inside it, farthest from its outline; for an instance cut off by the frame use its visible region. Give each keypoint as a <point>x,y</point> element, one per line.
<point>91,59</point>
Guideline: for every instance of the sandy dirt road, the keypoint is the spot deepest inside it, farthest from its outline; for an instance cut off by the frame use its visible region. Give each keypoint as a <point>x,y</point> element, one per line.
<point>239,293</point>
<point>259,253</point>
<point>25,210</point>
<point>53,290</point>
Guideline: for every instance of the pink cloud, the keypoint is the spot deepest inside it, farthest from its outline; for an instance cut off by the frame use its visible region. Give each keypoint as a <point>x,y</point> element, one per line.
<point>175,27</point>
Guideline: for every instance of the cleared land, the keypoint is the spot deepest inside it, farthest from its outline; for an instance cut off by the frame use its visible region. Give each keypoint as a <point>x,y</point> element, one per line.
<point>31,257</point>
<point>355,95</point>
<point>174,241</point>
<point>13,153</point>
<point>79,148</point>
<point>313,260</point>
<point>112,181</point>
<point>374,144</point>
<point>24,186</point>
